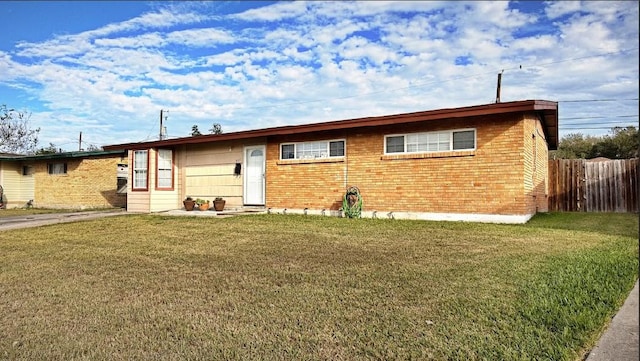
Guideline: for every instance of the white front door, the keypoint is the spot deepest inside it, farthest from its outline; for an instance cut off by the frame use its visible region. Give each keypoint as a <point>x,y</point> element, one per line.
<point>254,175</point>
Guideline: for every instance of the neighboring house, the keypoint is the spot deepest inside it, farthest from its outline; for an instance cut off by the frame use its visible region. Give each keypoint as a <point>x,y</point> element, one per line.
<point>477,163</point>
<point>72,180</point>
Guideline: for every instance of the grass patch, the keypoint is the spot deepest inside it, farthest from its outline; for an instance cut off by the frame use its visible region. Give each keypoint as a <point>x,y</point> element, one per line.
<point>614,224</point>
<point>269,287</point>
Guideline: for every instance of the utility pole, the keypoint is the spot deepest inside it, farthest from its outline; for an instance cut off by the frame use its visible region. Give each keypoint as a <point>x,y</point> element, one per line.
<point>80,143</point>
<point>498,88</point>
<point>161,117</point>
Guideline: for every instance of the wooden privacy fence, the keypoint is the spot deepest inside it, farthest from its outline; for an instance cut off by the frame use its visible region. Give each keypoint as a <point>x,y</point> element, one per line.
<point>593,186</point>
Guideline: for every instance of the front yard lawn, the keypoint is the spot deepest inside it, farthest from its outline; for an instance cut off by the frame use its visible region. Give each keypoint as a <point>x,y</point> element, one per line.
<point>272,287</point>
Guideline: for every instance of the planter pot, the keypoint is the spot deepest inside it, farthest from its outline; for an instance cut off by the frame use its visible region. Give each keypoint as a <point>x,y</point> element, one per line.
<point>219,205</point>
<point>204,206</point>
<point>188,205</point>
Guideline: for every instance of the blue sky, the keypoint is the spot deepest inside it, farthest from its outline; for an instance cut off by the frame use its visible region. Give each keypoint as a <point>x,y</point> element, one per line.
<point>106,69</point>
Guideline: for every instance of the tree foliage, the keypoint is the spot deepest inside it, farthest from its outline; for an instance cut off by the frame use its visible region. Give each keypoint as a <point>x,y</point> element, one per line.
<point>216,128</point>
<point>15,134</point>
<point>51,149</point>
<point>195,131</point>
<point>621,143</point>
<point>93,148</point>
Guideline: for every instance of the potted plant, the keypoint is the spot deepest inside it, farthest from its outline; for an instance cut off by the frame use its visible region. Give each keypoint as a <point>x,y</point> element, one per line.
<point>203,204</point>
<point>189,203</point>
<point>218,204</point>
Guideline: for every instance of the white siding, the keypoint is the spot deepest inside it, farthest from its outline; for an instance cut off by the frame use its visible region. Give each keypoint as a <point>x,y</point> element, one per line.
<point>209,172</point>
<point>18,189</point>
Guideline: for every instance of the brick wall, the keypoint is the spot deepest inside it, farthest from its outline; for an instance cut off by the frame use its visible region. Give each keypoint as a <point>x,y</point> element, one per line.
<point>307,184</point>
<point>536,165</point>
<point>489,180</point>
<point>89,183</point>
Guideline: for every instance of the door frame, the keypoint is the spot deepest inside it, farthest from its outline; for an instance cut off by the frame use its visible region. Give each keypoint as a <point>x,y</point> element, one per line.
<point>245,188</point>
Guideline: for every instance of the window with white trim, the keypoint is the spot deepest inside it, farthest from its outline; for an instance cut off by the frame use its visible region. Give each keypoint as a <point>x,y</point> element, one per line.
<point>140,169</point>
<point>443,141</point>
<point>165,168</point>
<point>312,150</point>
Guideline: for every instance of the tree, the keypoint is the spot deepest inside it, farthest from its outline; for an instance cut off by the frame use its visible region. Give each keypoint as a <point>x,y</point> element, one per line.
<point>627,141</point>
<point>51,149</point>
<point>15,134</point>
<point>216,128</point>
<point>622,143</point>
<point>575,146</point>
<point>194,131</point>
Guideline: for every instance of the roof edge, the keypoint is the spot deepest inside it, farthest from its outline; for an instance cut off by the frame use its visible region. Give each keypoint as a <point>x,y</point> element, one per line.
<point>445,113</point>
<point>65,155</point>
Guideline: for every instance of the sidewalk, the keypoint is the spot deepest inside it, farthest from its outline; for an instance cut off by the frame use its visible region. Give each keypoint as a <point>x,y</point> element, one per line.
<point>620,341</point>
<point>35,220</point>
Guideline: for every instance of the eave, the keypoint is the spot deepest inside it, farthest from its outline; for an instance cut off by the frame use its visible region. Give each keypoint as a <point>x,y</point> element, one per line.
<point>546,110</point>
<point>66,155</point>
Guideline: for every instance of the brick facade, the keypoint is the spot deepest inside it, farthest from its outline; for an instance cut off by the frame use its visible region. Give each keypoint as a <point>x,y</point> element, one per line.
<point>89,183</point>
<point>499,177</point>
<point>504,176</point>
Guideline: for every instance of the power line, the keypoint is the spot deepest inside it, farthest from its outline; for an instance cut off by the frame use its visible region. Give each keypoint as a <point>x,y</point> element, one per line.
<point>601,117</point>
<point>580,128</point>
<point>595,100</point>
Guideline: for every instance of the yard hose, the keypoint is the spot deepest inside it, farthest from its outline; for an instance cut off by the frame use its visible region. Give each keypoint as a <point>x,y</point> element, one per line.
<point>352,203</point>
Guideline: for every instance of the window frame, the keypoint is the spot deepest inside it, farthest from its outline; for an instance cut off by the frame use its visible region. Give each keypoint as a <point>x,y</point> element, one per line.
<point>450,134</point>
<point>171,169</point>
<point>327,149</point>
<point>134,169</point>
<point>51,168</point>
<point>28,170</point>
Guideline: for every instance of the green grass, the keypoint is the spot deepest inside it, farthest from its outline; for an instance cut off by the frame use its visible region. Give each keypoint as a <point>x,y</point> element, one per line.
<point>270,287</point>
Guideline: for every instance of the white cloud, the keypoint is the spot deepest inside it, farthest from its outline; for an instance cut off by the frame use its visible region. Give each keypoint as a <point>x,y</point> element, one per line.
<point>200,37</point>
<point>279,11</point>
<point>62,45</point>
<point>149,40</point>
<point>297,62</point>
<point>162,19</point>
<point>556,9</point>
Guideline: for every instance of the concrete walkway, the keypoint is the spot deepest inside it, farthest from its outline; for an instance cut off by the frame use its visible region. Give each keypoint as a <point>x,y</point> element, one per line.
<point>228,212</point>
<point>620,340</point>
<point>36,220</point>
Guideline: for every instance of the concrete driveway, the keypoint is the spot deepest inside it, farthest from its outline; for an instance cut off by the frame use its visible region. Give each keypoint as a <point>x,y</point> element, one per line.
<point>36,220</point>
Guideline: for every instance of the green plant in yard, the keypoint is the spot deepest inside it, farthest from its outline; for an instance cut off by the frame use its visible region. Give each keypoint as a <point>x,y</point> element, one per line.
<point>352,203</point>
<point>273,287</point>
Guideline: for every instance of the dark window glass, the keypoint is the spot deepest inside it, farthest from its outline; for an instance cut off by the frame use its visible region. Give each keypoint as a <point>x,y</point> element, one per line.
<point>464,140</point>
<point>395,144</point>
<point>336,149</point>
<point>57,168</point>
<point>288,151</point>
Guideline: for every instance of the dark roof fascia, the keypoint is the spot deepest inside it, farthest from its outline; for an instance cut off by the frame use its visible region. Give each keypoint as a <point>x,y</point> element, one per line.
<point>66,155</point>
<point>10,155</point>
<point>548,109</point>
